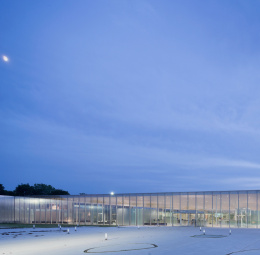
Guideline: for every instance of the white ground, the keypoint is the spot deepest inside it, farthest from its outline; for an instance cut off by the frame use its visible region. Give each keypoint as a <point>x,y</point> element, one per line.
<point>170,240</point>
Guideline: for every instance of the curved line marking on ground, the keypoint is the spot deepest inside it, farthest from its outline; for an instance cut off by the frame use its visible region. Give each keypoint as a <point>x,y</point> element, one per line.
<point>152,246</point>
<point>242,251</point>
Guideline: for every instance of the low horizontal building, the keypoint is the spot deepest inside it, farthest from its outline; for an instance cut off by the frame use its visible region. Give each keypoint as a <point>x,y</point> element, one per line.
<point>235,209</point>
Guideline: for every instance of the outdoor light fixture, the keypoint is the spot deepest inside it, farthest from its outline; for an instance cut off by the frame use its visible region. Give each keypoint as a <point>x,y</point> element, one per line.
<point>112,193</point>
<point>5,58</point>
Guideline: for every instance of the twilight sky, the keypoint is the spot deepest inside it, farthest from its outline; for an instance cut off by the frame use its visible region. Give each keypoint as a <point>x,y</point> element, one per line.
<point>130,96</point>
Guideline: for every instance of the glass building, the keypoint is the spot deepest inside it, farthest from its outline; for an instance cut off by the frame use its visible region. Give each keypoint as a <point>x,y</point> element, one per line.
<point>235,209</point>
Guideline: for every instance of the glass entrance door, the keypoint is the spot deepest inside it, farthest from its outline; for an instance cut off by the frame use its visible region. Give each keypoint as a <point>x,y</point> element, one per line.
<point>188,219</point>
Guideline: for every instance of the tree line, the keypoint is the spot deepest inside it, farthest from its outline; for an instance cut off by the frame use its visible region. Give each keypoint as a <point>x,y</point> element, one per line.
<point>35,190</point>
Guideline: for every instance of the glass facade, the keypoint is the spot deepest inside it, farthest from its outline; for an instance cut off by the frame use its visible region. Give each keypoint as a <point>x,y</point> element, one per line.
<point>233,209</point>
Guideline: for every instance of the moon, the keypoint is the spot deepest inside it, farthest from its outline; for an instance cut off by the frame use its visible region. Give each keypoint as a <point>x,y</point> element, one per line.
<point>5,58</point>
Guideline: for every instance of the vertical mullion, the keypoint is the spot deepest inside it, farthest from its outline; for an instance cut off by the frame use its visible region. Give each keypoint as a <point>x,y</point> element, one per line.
<point>68,210</point>
<point>157,211</point>
<point>238,210</point>
<point>103,218</point>
<point>164,209</point>
<point>24,210</point>
<point>247,211</point>
<point>229,207</point>
<point>188,198</point>
<point>85,219</point>
<point>150,209</point>
<point>257,209</point>
<point>116,210</point>
<point>123,202</point>
<point>110,213</point>
<point>136,211</point>
<point>196,214</point>
<point>73,210</point>
<point>129,209</point>
<point>180,209</point>
<point>51,211</point>
<point>221,208</point>
<point>143,212</point>
<point>45,210</point>
<point>29,218</point>
<point>79,210</point>
<point>212,209</point>
<point>204,208</point>
<point>172,210</point>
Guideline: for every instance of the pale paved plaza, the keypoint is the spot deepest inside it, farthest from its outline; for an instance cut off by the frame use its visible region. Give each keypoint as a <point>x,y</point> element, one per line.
<point>130,240</point>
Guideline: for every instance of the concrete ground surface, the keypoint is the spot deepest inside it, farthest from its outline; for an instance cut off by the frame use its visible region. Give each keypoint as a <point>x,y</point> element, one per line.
<point>130,240</point>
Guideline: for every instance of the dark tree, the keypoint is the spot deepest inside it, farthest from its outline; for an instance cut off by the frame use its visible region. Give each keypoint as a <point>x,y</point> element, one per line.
<point>38,189</point>
<point>2,189</point>
<point>42,189</point>
<point>59,192</point>
<point>5,192</point>
<point>9,193</point>
<point>23,190</point>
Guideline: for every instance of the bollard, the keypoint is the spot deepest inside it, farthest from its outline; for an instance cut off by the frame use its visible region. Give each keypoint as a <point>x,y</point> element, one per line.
<point>68,231</point>
<point>60,227</point>
<point>138,227</point>
<point>105,236</point>
<point>75,228</point>
<point>204,232</point>
<point>230,232</point>
<point>200,228</point>
<point>33,226</point>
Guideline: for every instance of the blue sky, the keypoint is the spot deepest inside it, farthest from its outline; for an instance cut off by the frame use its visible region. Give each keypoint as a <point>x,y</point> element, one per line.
<point>130,96</point>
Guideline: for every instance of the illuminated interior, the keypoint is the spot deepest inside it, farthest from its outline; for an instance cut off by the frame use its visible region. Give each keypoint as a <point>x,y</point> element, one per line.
<point>236,209</point>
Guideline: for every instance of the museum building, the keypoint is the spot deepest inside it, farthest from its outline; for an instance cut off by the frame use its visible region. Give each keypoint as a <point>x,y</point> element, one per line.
<point>232,209</point>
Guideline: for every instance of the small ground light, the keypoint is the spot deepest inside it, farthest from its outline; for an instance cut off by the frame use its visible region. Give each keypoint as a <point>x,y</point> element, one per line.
<point>5,58</point>
<point>68,231</point>
<point>204,232</point>
<point>200,228</point>
<point>112,193</point>
<point>75,228</point>
<point>33,226</point>
<point>230,231</point>
<point>105,236</point>
<point>60,227</point>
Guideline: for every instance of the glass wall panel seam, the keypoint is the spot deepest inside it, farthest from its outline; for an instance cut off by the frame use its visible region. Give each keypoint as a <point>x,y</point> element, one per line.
<point>123,205</point>
<point>143,210</point>
<point>229,207</point>
<point>247,211</point>
<point>238,211</point>
<point>150,211</point>
<point>257,209</point>
<point>136,210</point>
<point>212,209</point>
<point>116,211</point>
<point>172,210</point>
